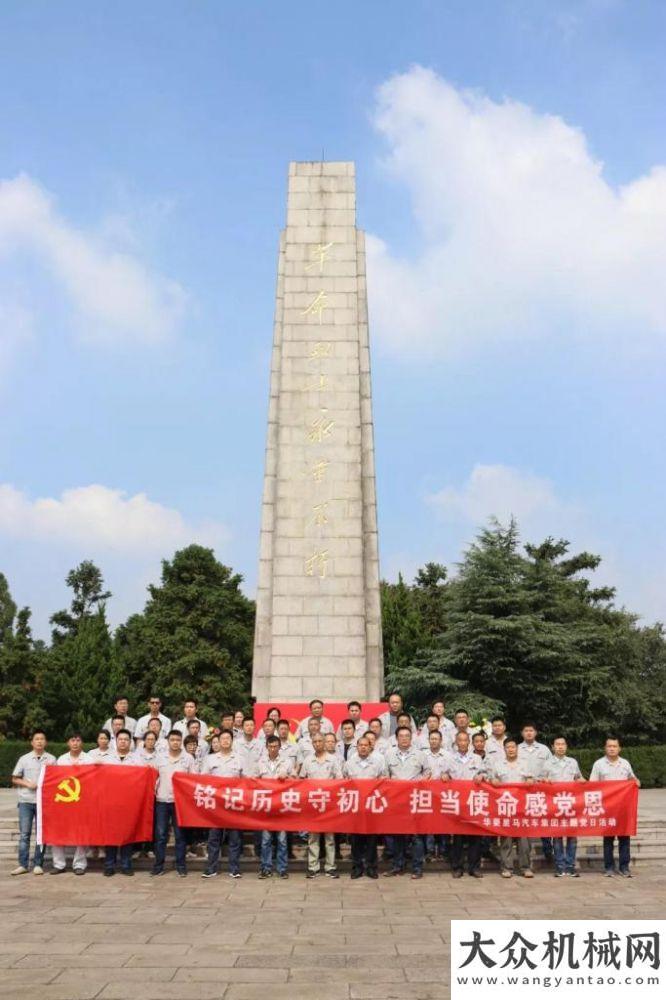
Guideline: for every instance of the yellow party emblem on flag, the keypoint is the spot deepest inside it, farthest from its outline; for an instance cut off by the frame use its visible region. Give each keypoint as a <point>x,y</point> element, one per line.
<point>69,790</point>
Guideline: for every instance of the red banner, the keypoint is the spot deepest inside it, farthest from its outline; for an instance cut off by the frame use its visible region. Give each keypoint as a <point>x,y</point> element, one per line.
<point>336,711</point>
<point>95,804</point>
<point>567,809</point>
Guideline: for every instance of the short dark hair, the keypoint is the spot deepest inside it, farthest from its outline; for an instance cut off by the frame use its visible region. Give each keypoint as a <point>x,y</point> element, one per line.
<point>192,722</point>
<point>174,732</point>
<point>403,729</point>
<point>357,703</point>
<point>615,739</point>
<point>283,722</point>
<point>226,732</point>
<point>528,725</point>
<point>435,732</point>
<point>191,701</point>
<point>481,733</point>
<point>497,718</point>
<point>38,732</point>
<point>510,739</point>
<point>461,711</point>
<point>121,717</point>
<point>315,701</point>
<point>123,732</point>
<point>431,715</point>
<point>404,715</point>
<point>559,736</point>
<point>74,734</point>
<point>348,722</point>
<point>191,741</point>
<point>376,719</point>
<point>119,697</point>
<point>272,740</point>
<point>103,732</point>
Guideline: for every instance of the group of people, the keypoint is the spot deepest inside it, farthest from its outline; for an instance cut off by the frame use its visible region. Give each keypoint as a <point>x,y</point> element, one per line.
<point>389,746</point>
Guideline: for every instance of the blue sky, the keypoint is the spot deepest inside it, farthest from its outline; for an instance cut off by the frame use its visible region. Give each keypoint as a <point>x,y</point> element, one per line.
<point>510,177</point>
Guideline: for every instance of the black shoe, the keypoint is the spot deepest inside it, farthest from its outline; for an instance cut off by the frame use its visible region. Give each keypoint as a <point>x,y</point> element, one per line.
<point>333,873</point>
<point>417,874</point>
<point>309,874</point>
<point>57,871</point>
<point>357,875</point>
<point>156,871</point>
<point>371,873</point>
<point>475,874</point>
<point>208,874</point>
<point>264,874</point>
<point>181,872</point>
<point>458,873</point>
<point>284,874</point>
<point>108,872</point>
<point>127,871</point>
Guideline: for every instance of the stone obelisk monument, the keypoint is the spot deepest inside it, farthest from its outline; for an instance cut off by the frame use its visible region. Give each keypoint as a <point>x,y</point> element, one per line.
<point>318,616</point>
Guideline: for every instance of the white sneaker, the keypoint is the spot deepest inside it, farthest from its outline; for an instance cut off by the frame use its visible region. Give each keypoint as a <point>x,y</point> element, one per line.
<point>38,870</point>
<point>20,871</point>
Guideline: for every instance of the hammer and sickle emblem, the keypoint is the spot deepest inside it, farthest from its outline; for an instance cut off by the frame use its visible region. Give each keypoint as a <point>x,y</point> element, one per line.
<point>70,789</point>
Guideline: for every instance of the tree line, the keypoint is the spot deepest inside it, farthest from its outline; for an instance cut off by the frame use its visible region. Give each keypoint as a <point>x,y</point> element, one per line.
<point>517,629</point>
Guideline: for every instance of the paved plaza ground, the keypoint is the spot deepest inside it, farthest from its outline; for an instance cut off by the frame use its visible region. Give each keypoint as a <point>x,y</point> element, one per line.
<point>70,938</point>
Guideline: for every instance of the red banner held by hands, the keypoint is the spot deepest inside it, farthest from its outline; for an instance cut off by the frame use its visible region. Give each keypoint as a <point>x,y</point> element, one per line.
<point>544,809</point>
<point>95,804</point>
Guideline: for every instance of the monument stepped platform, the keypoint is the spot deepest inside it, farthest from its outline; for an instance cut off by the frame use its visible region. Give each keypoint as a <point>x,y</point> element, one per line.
<point>647,848</point>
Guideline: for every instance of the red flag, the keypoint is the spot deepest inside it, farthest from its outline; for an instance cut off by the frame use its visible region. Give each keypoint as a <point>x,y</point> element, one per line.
<point>563,809</point>
<point>95,804</point>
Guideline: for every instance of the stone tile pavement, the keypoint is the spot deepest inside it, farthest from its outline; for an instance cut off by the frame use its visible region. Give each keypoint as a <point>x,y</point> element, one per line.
<point>70,938</point>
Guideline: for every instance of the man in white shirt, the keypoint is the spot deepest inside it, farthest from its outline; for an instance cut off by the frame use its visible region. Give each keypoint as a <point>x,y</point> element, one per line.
<point>121,707</point>
<point>363,845</point>
<point>446,726</point>
<point>422,741</point>
<point>175,761</point>
<point>124,757</point>
<point>321,765</point>
<point>495,742</point>
<point>189,714</point>
<point>405,762</point>
<point>228,762</point>
<point>535,756</point>
<point>509,771</point>
<point>316,707</point>
<point>563,768</point>
<point>275,767</point>
<point>154,705</point>
<point>73,758</point>
<point>354,710</point>
<point>25,778</point>
<point>381,743</point>
<point>248,746</point>
<point>612,767</point>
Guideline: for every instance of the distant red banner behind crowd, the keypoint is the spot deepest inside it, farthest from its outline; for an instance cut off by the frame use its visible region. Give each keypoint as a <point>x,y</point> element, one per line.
<point>567,809</point>
<point>336,711</point>
<point>95,804</point>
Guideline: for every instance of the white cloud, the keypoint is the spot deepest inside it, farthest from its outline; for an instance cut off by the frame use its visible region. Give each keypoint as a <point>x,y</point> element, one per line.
<point>114,293</point>
<point>522,236</point>
<point>102,519</point>
<point>500,491</point>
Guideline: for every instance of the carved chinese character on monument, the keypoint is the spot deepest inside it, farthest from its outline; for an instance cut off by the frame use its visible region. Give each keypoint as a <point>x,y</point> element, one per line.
<point>318,615</point>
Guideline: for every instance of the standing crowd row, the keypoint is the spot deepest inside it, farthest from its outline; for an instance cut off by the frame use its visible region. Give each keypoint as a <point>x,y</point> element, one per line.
<point>388,746</point>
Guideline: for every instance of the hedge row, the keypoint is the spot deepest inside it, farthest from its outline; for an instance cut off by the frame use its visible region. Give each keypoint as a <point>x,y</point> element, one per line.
<point>649,763</point>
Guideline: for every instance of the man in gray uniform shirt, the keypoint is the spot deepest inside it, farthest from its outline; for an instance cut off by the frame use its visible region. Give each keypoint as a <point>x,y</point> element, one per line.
<point>121,707</point>
<point>274,766</point>
<point>406,763</point>
<point>510,771</point>
<point>124,757</point>
<point>327,766</point>
<point>535,756</point>
<point>226,763</point>
<point>466,766</point>
<point>363,845</point>
<point>24,778</point>
<point>563,768</point>
<point>175,761</point>
<point>612,767</point>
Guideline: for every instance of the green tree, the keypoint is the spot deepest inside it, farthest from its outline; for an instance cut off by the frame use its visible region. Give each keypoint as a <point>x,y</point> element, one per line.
<point>21,668</point>
<point>77,682</point>
<point>194,637</point>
